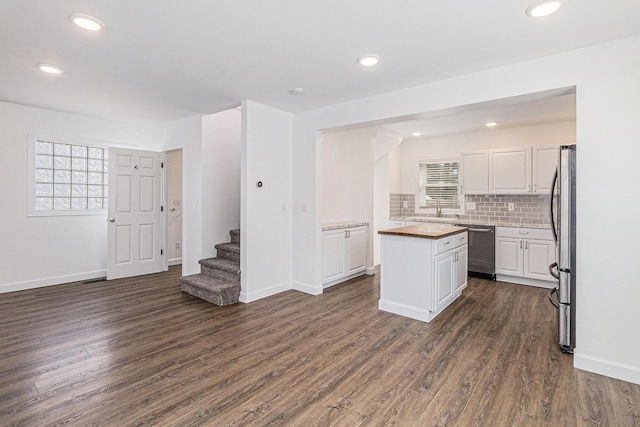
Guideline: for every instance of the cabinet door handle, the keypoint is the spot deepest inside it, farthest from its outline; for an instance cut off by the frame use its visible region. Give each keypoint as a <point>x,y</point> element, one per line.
<point>523,232</point>
<point>520,244</point>
<point>526,245</point>
<point>535,187</point>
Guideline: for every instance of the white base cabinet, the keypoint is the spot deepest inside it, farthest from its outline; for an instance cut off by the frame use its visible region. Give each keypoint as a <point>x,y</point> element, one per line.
<point>421,277</point>
<point>344,254</point>
<point>523,255</point>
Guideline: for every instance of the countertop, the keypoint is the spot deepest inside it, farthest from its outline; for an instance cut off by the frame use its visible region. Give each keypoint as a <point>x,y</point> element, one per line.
<point>426,231</point>
<point>342,224</point>
<point>431,220</point>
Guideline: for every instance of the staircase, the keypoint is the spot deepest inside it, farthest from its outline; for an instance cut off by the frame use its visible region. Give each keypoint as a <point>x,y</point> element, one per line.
<point>219,280</point>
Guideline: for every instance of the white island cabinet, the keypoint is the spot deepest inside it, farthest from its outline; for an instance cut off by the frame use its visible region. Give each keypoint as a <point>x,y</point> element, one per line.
<point>423,269</point>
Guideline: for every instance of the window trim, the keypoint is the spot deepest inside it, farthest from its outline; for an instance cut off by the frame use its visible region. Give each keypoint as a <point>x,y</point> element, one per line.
<point>432,210</point>
<point>31,171</point>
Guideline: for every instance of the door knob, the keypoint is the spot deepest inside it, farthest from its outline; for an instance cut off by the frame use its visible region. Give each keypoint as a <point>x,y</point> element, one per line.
<point>111,220</point>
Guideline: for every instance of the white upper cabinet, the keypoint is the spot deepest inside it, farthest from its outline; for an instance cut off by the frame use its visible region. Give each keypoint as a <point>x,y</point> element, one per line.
<point>475,172</point>
<point>510,171</point>
<point>545,161</point>
<point>522,170</point>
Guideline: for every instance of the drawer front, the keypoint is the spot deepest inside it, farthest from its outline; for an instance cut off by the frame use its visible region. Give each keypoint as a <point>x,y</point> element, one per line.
<point>460,239</point>
<point>444,244</point>
<point>524,233</point>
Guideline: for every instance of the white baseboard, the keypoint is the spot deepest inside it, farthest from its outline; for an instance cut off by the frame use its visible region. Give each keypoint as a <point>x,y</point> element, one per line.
<point>607,368</point>
<point>306,288</point>
<point>405,310</point>
<point>371,271</point>
<point>51,281</point>
<point>263,293</point>
<point>343,279</point>
<point>526,281</point>
<point>175,261</point>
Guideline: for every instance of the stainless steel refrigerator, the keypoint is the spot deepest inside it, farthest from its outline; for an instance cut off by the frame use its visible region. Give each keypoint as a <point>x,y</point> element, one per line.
<point>563,226</point>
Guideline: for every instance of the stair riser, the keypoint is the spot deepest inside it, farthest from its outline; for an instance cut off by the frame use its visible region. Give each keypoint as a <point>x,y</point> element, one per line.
<point>228,297</point>
<point>220,274</point>
<point>235,237</point>
<point>222,253</point>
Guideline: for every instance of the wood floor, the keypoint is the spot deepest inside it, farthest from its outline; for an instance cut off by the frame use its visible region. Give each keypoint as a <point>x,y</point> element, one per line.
<point>138,351</point>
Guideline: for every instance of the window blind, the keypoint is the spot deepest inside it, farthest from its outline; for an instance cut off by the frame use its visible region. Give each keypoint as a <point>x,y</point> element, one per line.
<point>440,181</point>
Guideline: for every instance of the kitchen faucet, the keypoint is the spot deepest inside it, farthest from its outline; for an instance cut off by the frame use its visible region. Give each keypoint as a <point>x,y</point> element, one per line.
<point>438,209</point>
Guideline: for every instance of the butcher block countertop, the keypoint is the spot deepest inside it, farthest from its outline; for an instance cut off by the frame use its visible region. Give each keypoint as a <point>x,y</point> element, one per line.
<point>425,231</point>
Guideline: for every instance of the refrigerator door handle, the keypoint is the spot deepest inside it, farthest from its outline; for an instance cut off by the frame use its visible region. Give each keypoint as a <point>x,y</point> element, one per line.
<point>551,216</point>
<point>555,274</point>
<point>551,292</point>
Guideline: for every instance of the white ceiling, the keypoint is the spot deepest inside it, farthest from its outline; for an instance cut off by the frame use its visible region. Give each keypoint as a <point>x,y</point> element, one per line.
<point>163,59</point>
<point>527,110</point>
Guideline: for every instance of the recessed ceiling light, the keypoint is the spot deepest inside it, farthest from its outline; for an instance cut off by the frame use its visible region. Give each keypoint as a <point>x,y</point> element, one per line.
<point>416,134</point>
<point>490,124</point>
<point>87,22</point>
<point>368,60</point>
<point>543,8</point>
<point>51,69</point>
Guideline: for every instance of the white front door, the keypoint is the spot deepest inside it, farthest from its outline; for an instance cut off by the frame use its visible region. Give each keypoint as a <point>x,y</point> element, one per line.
<point>134,221</point>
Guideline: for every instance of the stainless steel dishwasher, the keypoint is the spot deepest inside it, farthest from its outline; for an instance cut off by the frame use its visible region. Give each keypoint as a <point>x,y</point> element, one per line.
<point>482,250</point>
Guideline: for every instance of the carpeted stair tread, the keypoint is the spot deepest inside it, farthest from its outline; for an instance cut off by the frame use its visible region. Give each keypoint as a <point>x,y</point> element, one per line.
<point>231,247</point>
<point>215,291</point>
<point>224,264</point>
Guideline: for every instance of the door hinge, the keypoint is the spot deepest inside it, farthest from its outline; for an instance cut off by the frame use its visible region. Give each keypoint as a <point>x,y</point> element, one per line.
<point>161,251</point>
<point>161,165</point>
<point>161,208</point>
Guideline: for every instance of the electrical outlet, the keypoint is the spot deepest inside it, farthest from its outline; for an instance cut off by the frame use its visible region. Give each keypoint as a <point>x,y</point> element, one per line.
<point>471,206</point>
<point>405,204</point>
<point>178,245</point>
<point>511,206</point>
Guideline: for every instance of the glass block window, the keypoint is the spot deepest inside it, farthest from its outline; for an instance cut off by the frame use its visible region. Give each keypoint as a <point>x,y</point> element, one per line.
<point>70,177</point>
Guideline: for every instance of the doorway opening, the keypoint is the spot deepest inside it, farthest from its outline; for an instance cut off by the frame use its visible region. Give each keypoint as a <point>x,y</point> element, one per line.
<point>174,205</point>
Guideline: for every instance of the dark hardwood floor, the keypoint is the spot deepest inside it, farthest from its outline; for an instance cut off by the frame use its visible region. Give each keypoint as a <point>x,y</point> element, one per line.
<point>138,351</point>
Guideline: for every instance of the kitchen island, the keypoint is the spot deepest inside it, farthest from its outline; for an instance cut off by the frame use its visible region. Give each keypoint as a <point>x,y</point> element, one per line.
<point>423,269</point>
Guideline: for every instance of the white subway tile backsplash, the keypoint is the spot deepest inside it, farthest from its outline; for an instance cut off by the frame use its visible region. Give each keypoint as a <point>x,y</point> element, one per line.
<point>492,208</point>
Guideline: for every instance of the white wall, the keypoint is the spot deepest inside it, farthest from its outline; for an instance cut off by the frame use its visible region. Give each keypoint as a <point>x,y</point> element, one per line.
<point>395,170</point>
<point>333,187</point>
<point>40,251</point>
<point>347,172</point>
<point>451,146</point>
<point>384,145</point>
<point>355,180</point>
<point>607,131</point>
<point>221,146</point>
<point>265,258</point>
